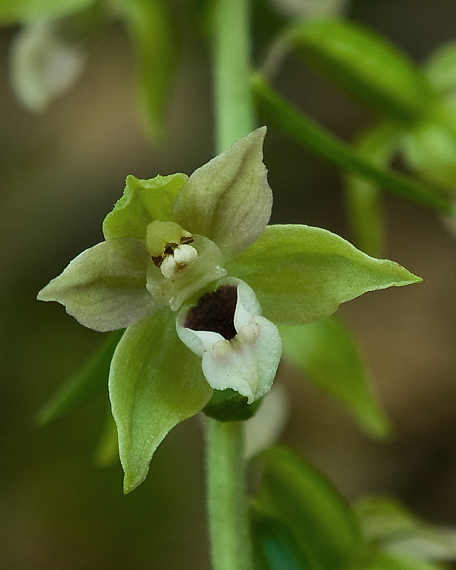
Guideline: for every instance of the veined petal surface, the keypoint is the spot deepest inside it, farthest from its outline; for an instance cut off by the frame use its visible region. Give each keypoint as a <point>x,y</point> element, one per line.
<point>228,199</point>
<point>143,201</point>
<point>104,287</point>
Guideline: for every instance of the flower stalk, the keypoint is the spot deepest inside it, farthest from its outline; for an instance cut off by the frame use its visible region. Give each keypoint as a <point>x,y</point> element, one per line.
<point>227,505</point>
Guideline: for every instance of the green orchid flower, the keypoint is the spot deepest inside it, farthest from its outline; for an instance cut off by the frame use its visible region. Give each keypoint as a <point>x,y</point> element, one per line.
<point>199,280</point>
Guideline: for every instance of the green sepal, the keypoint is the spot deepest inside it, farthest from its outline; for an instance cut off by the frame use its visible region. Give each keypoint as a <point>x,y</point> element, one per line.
<point>228,199</point>
<point>274,545</point>
<point>230,406</point>
<point>363,198</point>
<point>15,11</point>
<point>366,66</point>
<point>389,526</point>
<point>301,274</point>
<point>155,382</point>
<point>296,494</point>
<point>328,355</point>
<point>151,30</point>
<point>88,382</point>
<point>104,287</point>
<point>142,202</point>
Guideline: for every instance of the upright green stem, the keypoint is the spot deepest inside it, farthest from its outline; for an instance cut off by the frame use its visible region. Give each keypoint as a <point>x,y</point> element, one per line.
<point>234,114</point>
<point>227,504</point>
<point>234,118</point>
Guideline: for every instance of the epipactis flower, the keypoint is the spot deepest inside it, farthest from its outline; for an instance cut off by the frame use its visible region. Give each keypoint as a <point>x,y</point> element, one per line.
<point>192,271</point>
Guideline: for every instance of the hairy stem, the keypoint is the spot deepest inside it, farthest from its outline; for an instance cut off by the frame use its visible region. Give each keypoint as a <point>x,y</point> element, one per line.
<point>234,114</point>
<point>227,504</point>
<point>234,118</point>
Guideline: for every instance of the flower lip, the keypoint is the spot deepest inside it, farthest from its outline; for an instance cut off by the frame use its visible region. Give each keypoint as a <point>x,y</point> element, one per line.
<point>239,348</point>
<point>215,312</point>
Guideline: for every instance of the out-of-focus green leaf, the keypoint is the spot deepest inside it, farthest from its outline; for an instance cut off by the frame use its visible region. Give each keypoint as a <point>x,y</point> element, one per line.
<point>155,382</point>
<point>297,495</point>
<point>107,450</point>
<point>85,384</point>
<point>301,274</point>
<point>393,529</point>
<point>379,561</point>
<point>156,43</point>
<point>430,150</point>
<point>14,11</point>
<point>363,198</point>
<point>306,132</point>
<point>365,65</point>
<point>274,545</point>
<point>329,356</point>
<point>440,69</point>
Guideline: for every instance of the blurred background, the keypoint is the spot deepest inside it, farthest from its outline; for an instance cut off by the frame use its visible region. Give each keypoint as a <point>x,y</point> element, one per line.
<point>60,174</point>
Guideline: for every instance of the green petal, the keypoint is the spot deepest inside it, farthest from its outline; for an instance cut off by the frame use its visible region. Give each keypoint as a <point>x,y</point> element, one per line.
<point>104,288</point>
<point>154,384</point>
<point>328,355</point>
<point>143,201</point>
<point>228,199</point>
<point>301,274</point>
<point>296,494</point>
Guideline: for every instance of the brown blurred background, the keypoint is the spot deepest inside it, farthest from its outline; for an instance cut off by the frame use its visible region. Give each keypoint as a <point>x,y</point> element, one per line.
<point>60,174</point>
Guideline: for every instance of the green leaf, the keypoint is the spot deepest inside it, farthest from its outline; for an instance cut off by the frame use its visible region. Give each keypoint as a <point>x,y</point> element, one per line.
<point>297,495</point>
<point>85,384</point>
<point>393,529</point>
<point>363,198</point>
<point>14,11</point>
<point>274,545</point>
<point>365,65</point>
<point>155,383</point>
<point>301,274</point>
<point>328,355</point>
<point>306,132</point>
<point>228,200</point>
<point>143,201</point>
<point>151,30</point>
